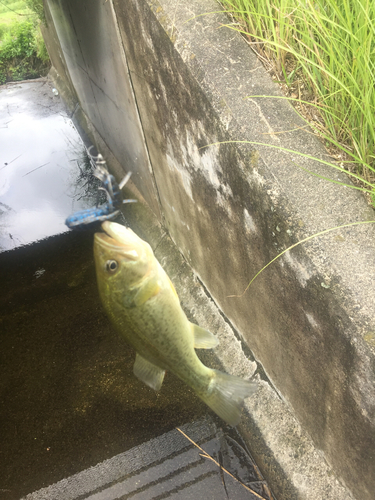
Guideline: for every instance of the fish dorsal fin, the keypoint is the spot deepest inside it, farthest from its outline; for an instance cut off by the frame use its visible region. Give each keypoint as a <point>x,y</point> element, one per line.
<point>203,339</point>
<point>149,373</point>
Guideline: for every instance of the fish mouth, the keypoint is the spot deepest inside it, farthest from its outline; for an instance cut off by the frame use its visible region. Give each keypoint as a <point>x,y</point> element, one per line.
<point>107,238</point>
<point>106,241</point>
<point>118,238</point>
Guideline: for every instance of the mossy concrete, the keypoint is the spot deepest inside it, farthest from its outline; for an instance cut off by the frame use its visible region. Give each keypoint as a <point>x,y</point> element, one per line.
<point>308,320</point>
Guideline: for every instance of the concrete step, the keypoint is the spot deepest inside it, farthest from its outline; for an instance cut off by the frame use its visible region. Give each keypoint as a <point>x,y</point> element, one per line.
<point>168,466</point>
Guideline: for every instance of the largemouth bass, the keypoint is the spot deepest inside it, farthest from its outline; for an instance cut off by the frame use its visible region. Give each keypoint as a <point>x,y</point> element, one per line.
<point>143,306</point>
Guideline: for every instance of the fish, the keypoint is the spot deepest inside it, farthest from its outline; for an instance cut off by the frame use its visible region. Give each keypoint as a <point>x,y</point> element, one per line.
<point>143,306</point>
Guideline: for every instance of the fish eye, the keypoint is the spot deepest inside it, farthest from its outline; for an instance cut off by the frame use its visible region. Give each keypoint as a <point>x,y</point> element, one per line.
<point>111,266</point>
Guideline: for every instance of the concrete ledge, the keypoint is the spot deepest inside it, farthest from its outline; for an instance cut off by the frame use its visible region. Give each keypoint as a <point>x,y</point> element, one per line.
<point>309,318</point>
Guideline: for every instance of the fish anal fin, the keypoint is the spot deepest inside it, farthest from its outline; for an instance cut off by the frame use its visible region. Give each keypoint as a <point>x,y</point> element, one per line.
<point>149,373</point>
<point>203,339</point>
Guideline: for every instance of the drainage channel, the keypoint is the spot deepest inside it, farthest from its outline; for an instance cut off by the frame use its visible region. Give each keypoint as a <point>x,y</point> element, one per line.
<point>75,422</point>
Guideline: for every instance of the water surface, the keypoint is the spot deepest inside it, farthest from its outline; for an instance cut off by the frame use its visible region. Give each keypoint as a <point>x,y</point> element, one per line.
<point>42,165</point>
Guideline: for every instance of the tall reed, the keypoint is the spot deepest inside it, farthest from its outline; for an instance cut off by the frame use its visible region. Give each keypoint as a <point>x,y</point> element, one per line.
<point>325,49</point>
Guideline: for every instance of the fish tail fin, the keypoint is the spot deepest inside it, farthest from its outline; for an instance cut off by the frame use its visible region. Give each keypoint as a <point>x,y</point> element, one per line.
<point>226,394</point>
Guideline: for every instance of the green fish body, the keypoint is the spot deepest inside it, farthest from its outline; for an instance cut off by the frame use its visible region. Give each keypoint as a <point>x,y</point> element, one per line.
<point>143,305</point>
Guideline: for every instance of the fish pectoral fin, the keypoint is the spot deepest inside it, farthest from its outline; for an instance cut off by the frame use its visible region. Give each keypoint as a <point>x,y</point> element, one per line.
<point>203,339</point>
<point>144,293</point>
<point>149,373</point>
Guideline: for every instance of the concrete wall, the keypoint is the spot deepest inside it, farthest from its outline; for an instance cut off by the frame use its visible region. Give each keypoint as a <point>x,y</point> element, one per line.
<point>90,48</point>
<point>309,318</point>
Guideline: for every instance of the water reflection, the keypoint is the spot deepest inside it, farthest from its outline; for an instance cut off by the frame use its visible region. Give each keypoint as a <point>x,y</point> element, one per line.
<point>45,173</point>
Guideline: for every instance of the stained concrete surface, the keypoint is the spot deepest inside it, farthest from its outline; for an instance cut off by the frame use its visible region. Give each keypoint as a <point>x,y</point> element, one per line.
<point>308,318</point>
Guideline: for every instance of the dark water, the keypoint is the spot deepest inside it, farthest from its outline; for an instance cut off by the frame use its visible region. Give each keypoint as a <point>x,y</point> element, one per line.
<point>68,397</point>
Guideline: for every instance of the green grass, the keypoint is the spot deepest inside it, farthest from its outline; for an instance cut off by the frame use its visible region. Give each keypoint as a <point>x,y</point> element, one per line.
<point>323,51</point>
<point>23,53</point>
<point>12,11</point>
<point>12,5</point>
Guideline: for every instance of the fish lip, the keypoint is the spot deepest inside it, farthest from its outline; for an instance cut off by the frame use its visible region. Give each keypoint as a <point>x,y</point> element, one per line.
<point>106,227</point>
<point>106,240</point>
<point>107,236</point>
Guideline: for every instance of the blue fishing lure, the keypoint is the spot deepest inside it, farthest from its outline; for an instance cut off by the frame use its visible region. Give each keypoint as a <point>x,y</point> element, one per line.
<point>92,217</point>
